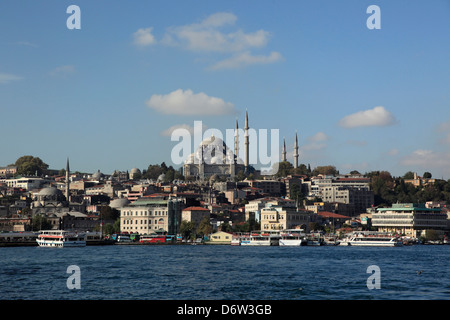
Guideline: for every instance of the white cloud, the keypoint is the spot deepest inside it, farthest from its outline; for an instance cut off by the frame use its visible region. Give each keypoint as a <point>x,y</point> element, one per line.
<point>316,142</point>
<point>186,102</point>
<point>206,36</point>
<point>62,71</point>
<point>7,78</point>
<point>246,58</point>
<point>319,136</point>
<point>144,37</point>
<point>168,132</point>
<point>427,159</point>
<point>377,116</point>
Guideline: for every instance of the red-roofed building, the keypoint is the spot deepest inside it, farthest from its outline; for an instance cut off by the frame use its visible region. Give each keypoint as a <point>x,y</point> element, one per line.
<point>195,215</point>
<point>337,220</point>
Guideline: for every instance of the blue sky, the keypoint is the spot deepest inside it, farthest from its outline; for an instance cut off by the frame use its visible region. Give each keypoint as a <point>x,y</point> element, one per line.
<point>106,95</point>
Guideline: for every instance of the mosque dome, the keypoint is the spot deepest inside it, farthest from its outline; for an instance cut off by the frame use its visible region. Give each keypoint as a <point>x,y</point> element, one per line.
<point>212,150</point>
<point>50,191</point>
<point>119,203</point>
<point>135,170</point>
<point>97,175</point>
<point>161,177</point>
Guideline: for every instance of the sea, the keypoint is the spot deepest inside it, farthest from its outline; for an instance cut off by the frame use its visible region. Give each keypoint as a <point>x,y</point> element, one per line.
<point>225,272</point>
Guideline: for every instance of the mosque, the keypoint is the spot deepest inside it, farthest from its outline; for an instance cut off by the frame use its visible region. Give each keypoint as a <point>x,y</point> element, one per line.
<point>214,157</point>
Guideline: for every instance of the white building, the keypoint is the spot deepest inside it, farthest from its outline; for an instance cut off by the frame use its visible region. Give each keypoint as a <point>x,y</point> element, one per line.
<point>145,216</point>
<point>28,183</point>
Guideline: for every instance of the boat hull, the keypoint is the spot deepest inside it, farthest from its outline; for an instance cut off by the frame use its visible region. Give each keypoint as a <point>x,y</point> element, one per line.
<point>60,244</point>
<point>292,243</point>
<point>371,244</point>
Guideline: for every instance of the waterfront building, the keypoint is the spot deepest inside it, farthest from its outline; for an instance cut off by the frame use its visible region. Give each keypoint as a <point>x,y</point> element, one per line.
<point>275,218</point>
<point>220,237</point>
<point>253,208</point>
<point>410,219</point>
<point>148,215</point>
<point>195,215</point>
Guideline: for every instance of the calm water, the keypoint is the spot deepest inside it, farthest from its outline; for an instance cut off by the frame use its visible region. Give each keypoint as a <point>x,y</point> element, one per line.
<point>224,272</point>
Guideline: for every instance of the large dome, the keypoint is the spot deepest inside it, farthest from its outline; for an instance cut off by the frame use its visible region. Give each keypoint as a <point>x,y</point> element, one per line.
<point>97,175</point>
<point>50,191</point>
<point>212,150</point>
<point>135,170</point>
<point>119,203</point>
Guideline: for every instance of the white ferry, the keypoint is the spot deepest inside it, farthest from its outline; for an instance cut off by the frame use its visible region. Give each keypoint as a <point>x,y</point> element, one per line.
<point>260,239</point>
<point>60,238</point>
<point>293,237</point>
<point>236,240</point>
<point>371,238</point>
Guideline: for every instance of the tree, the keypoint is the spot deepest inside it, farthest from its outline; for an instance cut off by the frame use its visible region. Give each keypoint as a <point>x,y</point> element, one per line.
<point>187,229</point>
<point>427,175</point>
<point>29,165</point>
<point>284,169</point>
<point>409,175</point>
<point>108,213</point>
<point>205,227</point>
<point>40,222</point>
<point>325,170</point>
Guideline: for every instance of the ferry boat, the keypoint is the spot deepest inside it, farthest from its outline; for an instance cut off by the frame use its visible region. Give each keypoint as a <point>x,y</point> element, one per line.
<point>330,240</point>
<point>260,239</point>
<point>60,238</point>
<point>293,237</point>
<point>236,240</point>
<point>315,239</point>
<point>371,238</point>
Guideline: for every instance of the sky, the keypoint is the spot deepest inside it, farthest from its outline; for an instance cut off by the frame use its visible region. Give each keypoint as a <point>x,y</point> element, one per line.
<point>107,95</point>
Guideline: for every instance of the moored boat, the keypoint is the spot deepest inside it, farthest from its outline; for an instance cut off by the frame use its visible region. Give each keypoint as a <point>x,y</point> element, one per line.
<point>315,239</point>
<point>293,237</point>
<point>60,238</point>
<point>260,239</point>
<point>372,238</point>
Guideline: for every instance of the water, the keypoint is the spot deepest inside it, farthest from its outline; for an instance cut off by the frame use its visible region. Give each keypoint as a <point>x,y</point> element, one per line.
<point>205,272</point>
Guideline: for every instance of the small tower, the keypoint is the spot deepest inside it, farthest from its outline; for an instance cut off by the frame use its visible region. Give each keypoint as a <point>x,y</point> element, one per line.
<point>296,152</point>
<point>246,142</point>
<point>283,154</point>
<point>67,181</point>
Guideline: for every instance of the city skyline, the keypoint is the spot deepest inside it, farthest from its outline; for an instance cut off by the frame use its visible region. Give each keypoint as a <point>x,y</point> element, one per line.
<point>107,96</point>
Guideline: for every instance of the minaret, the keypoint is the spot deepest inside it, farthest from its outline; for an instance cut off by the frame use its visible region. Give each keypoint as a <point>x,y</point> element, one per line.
<point>296,152</point>
<point>67,181</point>
<point>236,141</point>
<point>246,142</point>
<point>283,158</point>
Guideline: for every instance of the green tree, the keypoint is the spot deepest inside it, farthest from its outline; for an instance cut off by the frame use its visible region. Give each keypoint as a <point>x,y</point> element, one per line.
<point>187,229</point>
<point>408,175</point>
<point>108,213</point>
<point>205,227</point>
<point>427,175</point>
<point>29,165</point>
<point>285,168</point>
<point>40,222</point>
<point>325,170</point>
